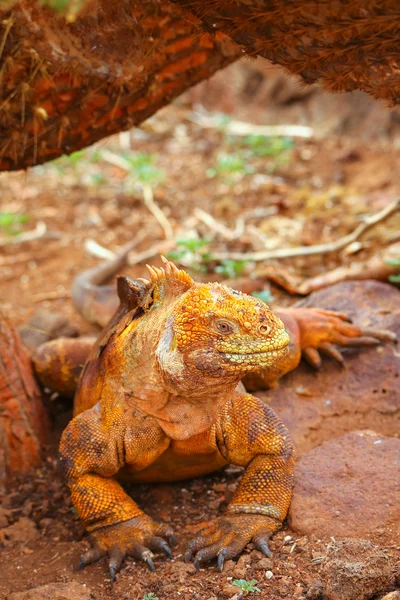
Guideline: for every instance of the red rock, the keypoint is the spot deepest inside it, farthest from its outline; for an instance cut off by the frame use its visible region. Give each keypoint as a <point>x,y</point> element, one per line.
<point>355,570</point>
<point>349,487</point>
<point>54,591</point>
<point>321,405</point>
<point>23,530</point>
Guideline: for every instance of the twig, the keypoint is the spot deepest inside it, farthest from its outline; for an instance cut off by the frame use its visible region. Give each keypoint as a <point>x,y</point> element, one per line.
<point>157,212</point>
<point>51,296</point>
<point>241,128</point>
<point>160,248</point>
<point>148,196</point>
<point>213,224</point>
<point>368,223</point>
<point>95,249</point>
<point>26,236</point>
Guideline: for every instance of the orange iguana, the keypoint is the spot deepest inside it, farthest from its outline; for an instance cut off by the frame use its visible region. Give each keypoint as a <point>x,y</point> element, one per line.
<point>160,399</point>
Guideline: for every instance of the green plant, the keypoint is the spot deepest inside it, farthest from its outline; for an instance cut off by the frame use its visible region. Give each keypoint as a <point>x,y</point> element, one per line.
<point>264,295</point>
<point>150,596</point>
<point>395,262</point>
<point>192,253</point>
<point>10,222</point>
<point>247,586</point>
<point>143,170</point>
<point>231,268</point>
<point>261,145</point>
<point>229,165</point>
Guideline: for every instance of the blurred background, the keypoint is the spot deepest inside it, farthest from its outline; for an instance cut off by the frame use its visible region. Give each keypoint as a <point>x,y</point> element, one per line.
<point>240,167</point>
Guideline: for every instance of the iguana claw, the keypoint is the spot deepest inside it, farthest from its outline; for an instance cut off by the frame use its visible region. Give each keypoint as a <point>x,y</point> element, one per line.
<point>136,537</point>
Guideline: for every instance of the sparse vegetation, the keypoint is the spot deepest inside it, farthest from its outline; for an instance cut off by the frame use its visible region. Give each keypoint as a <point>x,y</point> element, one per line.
<point>264,295</point>
<point>395,262</point>
<point>230,166</point>
<point>192,253</point>
<point>231,268</point>
<point>142,169</point>
<point>247,586</point>
<point>10,222</point>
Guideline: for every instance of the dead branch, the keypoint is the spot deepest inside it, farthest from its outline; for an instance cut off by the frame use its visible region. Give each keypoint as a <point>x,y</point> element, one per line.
<point>26,236</point>
<point>335,246</point>
<point>56,295</point>
<point>147,191</point>
<point>372,268</point>
<point>218,227</point>
<point>241,128</point>
<point>95,249</point>
<point>156,211</point>
<point>160,248</point>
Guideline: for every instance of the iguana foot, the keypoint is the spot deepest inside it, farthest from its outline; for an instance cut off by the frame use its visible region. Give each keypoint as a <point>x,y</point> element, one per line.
<point>322,330</point>
<point>139,537</point>
<point>226,537</point>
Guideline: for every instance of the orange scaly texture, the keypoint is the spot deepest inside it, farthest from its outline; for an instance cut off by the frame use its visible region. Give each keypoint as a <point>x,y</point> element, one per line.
<point>162,382</point>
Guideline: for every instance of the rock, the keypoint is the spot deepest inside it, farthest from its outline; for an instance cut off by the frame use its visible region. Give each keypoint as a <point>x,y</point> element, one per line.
<point>4,515</point>
<point>23,530</point>
<point>54,591</point>
<point>265,563</point>
<point>349,487</point>
<point>365,394</point>
<point>239,572</point>
<point>392,595</point>
<point>355,569</point>
<point>229,565</point>
<point>232,592</point>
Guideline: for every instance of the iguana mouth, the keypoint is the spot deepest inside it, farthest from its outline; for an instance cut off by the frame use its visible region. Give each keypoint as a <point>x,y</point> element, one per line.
<point>255,358</point>
<point>247,351</point>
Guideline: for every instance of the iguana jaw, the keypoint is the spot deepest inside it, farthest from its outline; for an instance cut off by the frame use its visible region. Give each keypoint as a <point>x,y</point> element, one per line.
<point>254,360</point>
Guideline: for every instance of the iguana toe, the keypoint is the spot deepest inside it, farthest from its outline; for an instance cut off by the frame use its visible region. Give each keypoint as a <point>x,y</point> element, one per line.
<point>227,536</point>
<point>138,537</point>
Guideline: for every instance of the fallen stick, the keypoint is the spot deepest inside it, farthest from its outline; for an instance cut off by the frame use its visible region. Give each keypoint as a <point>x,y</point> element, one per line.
<point>241,128</point>
<point>147,192</point>
<point>368,223</point>
<point>156,211</point>
<point>218,227</point>
<point>26,236</point>
<point>373,268</point>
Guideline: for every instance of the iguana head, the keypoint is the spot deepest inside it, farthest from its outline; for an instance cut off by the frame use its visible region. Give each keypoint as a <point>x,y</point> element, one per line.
<point>220,330</point>
<point>210,328</point>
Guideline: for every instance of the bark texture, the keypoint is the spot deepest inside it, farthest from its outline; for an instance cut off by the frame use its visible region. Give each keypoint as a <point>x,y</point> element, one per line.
<point>66,83</point>
<point>23,419</point>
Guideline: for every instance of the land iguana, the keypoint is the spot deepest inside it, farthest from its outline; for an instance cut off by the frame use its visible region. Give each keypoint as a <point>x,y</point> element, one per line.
<point>161,399</point>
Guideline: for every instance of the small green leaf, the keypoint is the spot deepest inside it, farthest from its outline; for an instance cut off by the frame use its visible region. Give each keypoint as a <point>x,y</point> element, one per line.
<point>394,262</point>
<point>193,244</point>
<point>10,222</point>
<point>150,596</point>
<point>231,268</point>
<point>247,586</point>
<point>264,295</point>
<point>394,278</point>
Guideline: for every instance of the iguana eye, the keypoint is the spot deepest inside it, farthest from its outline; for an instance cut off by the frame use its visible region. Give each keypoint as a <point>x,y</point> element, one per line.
<point>224,326</point>
<point>264,329</point>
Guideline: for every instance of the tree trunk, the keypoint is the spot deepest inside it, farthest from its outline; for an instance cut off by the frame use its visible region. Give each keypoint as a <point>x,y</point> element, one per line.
<point>23,419</point>
<point>65,84</point>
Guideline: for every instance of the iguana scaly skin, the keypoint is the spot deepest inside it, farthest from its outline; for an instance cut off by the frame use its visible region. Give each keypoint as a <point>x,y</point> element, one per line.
<point>160,399</point>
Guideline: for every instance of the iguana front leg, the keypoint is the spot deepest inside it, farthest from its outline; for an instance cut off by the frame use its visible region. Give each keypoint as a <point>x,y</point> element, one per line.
<point>314,331</point>
<point>249,434</point>
<point>91,452</point>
